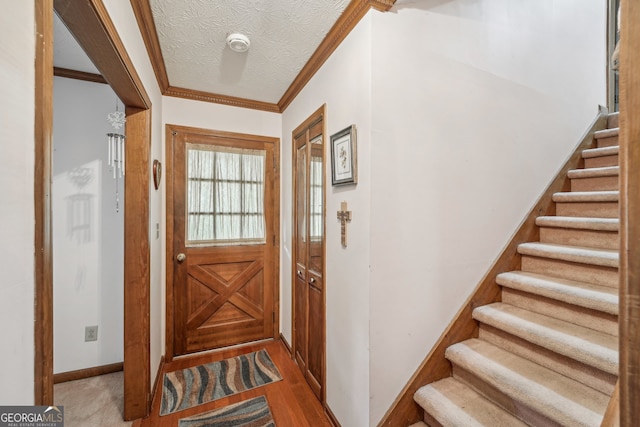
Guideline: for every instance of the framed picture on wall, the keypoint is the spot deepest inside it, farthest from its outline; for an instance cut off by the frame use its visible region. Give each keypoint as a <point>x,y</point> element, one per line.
<point>343,157</point>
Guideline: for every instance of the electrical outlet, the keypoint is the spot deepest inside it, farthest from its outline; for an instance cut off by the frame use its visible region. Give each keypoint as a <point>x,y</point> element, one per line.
<point>91,333</point>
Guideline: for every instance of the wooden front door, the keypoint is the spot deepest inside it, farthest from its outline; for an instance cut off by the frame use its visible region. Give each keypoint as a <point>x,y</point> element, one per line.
<point>222,238</point>
<point>309,249</point>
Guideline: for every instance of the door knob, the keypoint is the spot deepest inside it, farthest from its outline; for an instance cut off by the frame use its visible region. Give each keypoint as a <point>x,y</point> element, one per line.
<point>181,257</point>
<point>312,280</point>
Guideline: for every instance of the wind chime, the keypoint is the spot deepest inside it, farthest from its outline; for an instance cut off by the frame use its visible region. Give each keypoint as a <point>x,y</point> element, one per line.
<point>116,148</point>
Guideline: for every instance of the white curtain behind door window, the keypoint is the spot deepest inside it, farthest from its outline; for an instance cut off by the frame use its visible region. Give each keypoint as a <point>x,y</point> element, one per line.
<point>225,195</point>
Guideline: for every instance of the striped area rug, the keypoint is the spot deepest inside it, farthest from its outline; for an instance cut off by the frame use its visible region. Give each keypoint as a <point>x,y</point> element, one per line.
<point>193,386</point>
<point>249,413</point>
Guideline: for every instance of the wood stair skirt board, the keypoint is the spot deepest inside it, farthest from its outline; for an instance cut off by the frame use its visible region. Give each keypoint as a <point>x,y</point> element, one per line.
<point>537,341</point>
<point>548,353</point>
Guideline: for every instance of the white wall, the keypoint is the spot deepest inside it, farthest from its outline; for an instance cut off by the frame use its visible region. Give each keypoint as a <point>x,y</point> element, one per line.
<point>16,209</point>
<point>476,105</point>
<point>206,115</point>
<point>344,84</point>
<point>88,245</point>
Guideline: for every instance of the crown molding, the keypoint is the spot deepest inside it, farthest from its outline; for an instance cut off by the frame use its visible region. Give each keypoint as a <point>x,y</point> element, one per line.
<point>354,12</point>
<point>351,16</point>
<point>232,101</point>
<point>382,5</point>
<point>343,26</point>
<point>147,25</point>
<point>78,75</point>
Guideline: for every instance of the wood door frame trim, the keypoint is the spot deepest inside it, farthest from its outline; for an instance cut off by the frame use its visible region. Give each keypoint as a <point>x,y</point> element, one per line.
<point>78,75</point>
<point>629,213</point>
<point>43,263</point>
<point>169,150</point>
<point>317,115</point>
<point>92,27</point>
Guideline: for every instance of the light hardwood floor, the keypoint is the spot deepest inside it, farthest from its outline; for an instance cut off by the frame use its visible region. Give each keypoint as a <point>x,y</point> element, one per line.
<point>291,401</point>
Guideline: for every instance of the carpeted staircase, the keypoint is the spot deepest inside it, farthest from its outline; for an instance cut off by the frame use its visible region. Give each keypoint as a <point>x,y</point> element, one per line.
<point>547,354</point>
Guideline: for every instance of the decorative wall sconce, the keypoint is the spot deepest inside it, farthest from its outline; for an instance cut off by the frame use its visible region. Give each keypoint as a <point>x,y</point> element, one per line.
<point>157,173</point>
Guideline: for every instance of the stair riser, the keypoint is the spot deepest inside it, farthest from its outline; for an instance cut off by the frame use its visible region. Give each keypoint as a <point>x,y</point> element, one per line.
<point>430,421</point>
<point>520,410</point>
<point>588,209</point>
<point>600,162</point>
<point>580,372</point>
<point>604,276</point>
<point>582,316</point>
<point>600,183</point>
<point>612,120</point>
<point>576,237</point>
<point>607,142</point>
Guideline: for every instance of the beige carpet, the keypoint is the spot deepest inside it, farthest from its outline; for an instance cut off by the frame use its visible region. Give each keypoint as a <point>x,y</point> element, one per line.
<point>92,402</point>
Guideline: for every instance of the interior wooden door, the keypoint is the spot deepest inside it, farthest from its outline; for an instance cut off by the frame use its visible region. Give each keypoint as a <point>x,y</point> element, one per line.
<point>308,275</point>
<point>223,255</point>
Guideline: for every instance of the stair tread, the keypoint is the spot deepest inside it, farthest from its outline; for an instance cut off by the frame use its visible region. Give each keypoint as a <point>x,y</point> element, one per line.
<point>606,133</point>
<point>600,257</point>
<point>451,402</point>
<point>593,172</point>
<point>582,294</point>
<point>581,223</point>
<point>600,152</point>
<point>588,346</point>
<point>557,397</point>
<point>587,196</point>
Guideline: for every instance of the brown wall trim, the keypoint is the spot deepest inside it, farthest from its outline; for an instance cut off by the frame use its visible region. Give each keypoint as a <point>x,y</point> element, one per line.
<point>382,5</point>
<point>43,263</point>
<point>81,374</point>
<point>332,418</point>
<point>78,75</point>
<point>157,384</point>
<point>286,345</point>
<point>404,411</point>
<point>629,214</point>
<point>144,17</point>
<point>231,101</point>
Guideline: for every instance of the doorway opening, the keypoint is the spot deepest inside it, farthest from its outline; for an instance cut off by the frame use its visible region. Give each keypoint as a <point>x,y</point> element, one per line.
<point>87,232</point>
<point>91,26</point>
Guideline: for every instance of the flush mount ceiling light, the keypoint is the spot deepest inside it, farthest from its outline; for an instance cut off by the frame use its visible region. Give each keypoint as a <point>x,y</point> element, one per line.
<point>238,42</point>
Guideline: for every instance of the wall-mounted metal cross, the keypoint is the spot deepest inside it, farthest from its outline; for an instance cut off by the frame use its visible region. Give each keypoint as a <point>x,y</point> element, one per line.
<point>344,216</point>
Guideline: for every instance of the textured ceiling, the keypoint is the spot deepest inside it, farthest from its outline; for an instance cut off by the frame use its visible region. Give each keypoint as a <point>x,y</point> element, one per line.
<point>283,34</point>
